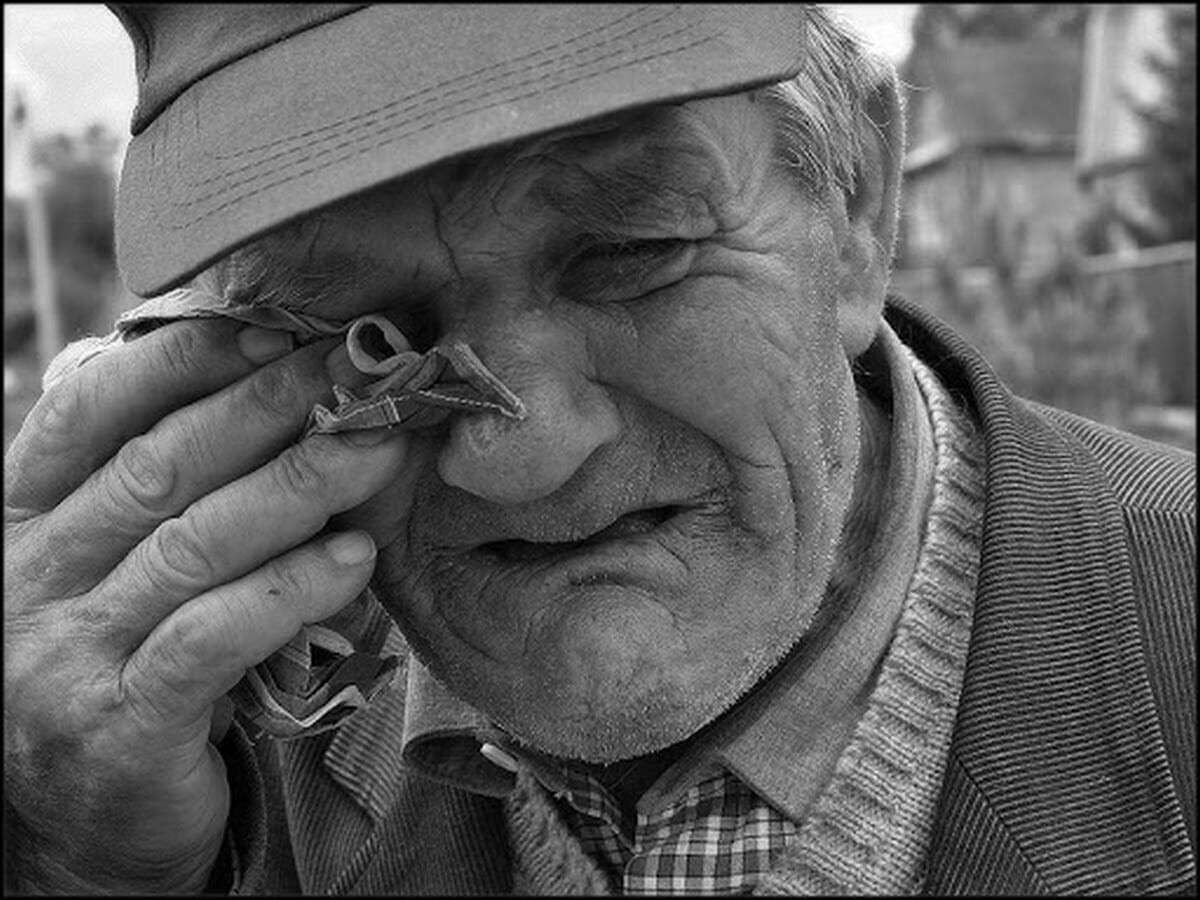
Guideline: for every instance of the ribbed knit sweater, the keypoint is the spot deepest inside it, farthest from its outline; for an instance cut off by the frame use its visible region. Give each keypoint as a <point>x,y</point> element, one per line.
<point>868,831</point>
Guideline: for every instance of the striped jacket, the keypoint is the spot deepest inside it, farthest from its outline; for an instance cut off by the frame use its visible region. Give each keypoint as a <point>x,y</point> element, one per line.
<point>1072,764</point>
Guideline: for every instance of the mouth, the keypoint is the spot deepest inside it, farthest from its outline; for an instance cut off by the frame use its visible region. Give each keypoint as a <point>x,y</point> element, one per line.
<point>638,523</point>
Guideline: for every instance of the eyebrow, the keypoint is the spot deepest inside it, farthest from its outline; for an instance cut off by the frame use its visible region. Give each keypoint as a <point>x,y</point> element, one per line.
<point>661,185</point>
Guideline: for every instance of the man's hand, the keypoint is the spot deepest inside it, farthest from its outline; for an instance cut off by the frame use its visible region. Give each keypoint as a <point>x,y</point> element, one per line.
<point>161,536</point>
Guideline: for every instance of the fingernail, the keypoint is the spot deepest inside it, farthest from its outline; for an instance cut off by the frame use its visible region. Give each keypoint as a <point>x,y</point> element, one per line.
<point>260,345</point>
<point>351,548</point>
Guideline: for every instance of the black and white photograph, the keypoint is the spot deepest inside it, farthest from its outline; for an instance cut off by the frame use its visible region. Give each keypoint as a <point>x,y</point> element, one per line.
<point>600,449</point>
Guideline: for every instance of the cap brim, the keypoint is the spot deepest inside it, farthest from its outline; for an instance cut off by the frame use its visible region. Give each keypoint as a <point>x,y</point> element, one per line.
<point>388,90</point>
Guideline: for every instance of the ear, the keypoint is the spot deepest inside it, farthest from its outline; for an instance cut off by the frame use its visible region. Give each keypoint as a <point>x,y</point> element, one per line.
<point>872,210</point>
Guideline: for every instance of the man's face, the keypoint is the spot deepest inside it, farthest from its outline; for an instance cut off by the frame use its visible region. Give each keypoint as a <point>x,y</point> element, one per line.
<point>607,575</point>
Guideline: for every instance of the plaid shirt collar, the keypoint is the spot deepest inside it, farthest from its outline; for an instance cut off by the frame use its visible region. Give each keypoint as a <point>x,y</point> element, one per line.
<point>718,837</point>
<point>782,739</point>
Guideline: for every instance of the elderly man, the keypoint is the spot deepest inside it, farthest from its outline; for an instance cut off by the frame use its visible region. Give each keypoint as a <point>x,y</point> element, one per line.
<point>523,452</point>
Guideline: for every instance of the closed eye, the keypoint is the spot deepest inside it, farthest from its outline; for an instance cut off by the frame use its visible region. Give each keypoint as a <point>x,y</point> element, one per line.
<point>626,269</point>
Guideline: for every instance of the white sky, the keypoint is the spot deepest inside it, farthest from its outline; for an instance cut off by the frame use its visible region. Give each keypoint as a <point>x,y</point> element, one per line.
<point>81,62</point>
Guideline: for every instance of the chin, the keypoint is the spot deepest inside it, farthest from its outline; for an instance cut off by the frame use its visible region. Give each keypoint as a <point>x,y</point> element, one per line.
<point>617,726</point>
<point>605,739</point>
<point>608,686</point>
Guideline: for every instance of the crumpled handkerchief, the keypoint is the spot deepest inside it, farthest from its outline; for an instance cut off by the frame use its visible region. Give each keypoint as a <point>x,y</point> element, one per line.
<point>417,389</point>
<point>330,669</point>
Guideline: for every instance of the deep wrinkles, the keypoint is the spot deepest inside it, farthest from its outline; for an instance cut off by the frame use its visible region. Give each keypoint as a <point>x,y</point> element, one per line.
<point>542,520</point>
<point>437,228</point>
<point>451,578</point>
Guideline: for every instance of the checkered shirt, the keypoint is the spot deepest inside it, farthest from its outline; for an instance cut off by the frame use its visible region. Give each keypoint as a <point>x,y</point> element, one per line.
<point>718,838</point>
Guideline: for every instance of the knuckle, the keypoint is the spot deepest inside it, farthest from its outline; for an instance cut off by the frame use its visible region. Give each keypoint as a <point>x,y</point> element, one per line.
<point>57,410</point>
<point>178,556</point>
<point>178,652</point>
<point>46,559</point>
<point>163,678</point>
<point>292,580</point>
<point>278,392</point>
<point>298,472</point>
<point>145,691</point>
<point>27,564</point>
<point>51,429</point>
<point>27,490</point>
<point>181,347</point>
<point>140,475</point>
<point>97,622</point>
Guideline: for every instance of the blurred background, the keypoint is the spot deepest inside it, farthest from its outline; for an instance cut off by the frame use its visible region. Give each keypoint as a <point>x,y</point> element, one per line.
<point>1050,210</point>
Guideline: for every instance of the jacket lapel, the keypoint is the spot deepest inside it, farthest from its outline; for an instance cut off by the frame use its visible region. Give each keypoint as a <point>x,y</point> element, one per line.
<point>389,831</point>
<point>1058,779</point>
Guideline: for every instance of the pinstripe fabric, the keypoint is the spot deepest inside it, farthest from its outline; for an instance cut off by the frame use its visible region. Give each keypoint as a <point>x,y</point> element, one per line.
<point>1143,474</point>
<point>997,862</point>
<point>1172,627</point>
<point>1156,488</point>
<point>1071,766</point>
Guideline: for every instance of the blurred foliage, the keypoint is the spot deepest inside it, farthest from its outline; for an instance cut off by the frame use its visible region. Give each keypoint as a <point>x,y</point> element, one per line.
<point>1107,344</point>
<point>1053,334</point>
<point>1169,176</point>
<point>1106,218</point>
<point>1167,171</point>
<point>78,193</point>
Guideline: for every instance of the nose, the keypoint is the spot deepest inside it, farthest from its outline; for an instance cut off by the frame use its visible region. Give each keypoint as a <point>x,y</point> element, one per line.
<point>568,416</point>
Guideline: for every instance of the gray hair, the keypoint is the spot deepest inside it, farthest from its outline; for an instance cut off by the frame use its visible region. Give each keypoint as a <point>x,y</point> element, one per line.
<point>821,112</point>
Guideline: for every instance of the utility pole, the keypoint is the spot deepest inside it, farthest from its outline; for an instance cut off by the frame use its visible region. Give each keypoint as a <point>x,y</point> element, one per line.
<point>23,180</point>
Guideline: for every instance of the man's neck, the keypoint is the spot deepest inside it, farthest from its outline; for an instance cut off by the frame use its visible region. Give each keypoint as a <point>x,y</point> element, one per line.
<point>628,779</point>
<point>863,545</point>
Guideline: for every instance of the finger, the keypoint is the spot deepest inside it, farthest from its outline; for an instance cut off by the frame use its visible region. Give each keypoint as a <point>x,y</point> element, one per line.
<point>229,532</point>
<point>187,455</point>
<point>83,418</point>
<point>198,653</point>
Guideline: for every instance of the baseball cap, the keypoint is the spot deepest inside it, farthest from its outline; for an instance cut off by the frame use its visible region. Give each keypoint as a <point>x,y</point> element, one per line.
<point>250,115</point>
